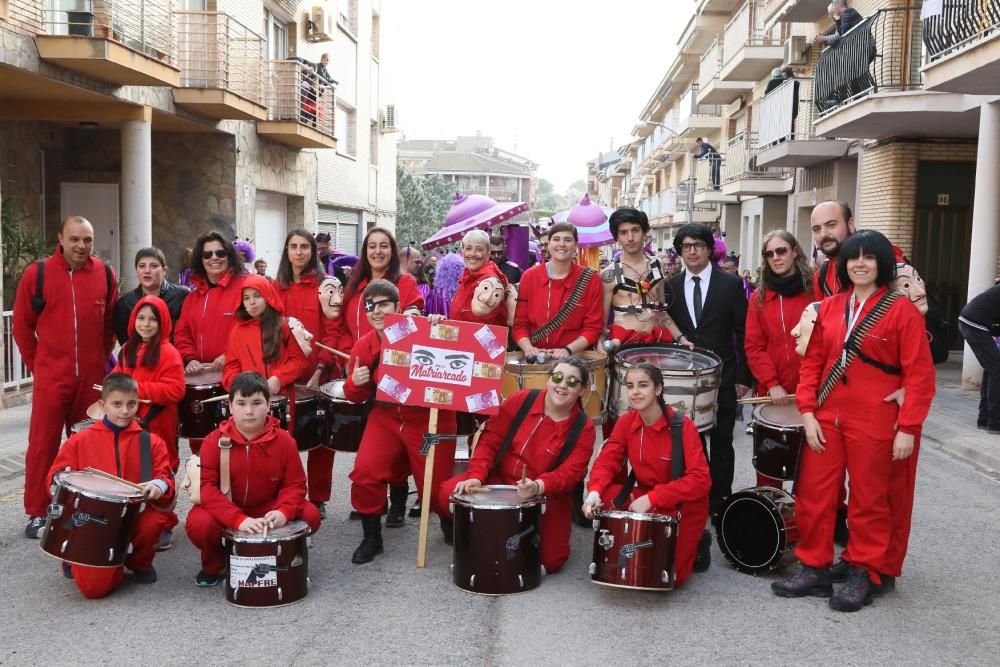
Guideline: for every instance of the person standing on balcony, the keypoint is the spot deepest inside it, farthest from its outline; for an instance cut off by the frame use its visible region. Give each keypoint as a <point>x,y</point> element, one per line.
<point>707,150</point>
<point>844,18</point>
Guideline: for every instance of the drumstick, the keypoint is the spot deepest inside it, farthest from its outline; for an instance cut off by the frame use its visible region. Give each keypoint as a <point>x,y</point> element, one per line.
<point>267,524</point>
<point>141,400</point>
<point>215,399</point>
<point>478,489</point>
<point>107,475</point>
<point>340,354</point>
<point>524,473</point>
<point>758,399</point>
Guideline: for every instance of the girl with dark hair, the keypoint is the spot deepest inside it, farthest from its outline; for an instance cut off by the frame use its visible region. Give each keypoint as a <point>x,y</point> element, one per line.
<point>867,343</point>
<point>642,439</point>
<point>207,314</point>
<point>157,368</point>
<point>531,462</point>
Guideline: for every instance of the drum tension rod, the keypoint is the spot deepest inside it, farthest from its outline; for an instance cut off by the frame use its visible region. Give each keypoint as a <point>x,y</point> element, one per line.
<point>437,438</point>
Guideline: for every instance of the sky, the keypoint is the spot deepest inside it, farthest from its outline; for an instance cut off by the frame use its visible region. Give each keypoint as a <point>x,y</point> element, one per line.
<point>552,80</point>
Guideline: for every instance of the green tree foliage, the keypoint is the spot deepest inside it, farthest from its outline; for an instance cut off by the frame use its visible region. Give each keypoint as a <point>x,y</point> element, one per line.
<point>20,246</point>
<point>421,206</point>
<point>546,197</point>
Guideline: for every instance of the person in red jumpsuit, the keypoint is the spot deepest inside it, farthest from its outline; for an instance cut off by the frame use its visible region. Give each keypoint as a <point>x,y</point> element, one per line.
<point>532,460</point>
<point>642,439</point>
<point>394,433</point>
<point>112,446</point>
<point>298,280</point>
<point>854,428</point>
<point>545,288</point>
<point>267,482</point>
<point>379,260</point>
<point>773,311</point>
<point>483,293</point>
<point>65,336</point>
<point>156,366</point>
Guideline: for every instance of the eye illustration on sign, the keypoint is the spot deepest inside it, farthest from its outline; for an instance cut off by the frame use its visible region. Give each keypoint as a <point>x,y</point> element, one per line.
<point>433,364</point>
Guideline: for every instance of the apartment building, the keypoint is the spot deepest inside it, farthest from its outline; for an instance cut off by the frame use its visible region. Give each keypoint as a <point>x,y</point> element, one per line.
<point>606,175</point>
<point>160,119</point>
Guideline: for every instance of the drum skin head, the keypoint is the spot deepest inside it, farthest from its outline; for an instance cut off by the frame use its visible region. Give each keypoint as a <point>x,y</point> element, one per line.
<point>498,497</point>
<point>204,378</point>
<point>783,415</point>
<point>289,531</point>
<point>85,481</point>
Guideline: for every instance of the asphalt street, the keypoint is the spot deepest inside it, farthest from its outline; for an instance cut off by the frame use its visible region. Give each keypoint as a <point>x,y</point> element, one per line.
<point>944,611</point>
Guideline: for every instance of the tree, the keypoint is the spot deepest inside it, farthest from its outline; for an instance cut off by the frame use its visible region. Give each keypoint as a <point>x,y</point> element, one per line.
<point>421,206</point>
<point>575,191</point>
<point>546,197</point>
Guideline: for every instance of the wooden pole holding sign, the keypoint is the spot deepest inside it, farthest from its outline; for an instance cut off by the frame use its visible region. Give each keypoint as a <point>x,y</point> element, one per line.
<point>425,503</point>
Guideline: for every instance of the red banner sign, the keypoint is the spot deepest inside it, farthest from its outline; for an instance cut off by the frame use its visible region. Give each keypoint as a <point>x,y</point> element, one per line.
<point>451,365</point>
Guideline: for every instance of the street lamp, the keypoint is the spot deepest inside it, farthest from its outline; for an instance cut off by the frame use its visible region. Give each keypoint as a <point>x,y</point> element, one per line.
<point>690,180</point>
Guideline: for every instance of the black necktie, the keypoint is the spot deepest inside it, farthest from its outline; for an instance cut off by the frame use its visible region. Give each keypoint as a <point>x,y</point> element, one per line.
<point>697,299</point>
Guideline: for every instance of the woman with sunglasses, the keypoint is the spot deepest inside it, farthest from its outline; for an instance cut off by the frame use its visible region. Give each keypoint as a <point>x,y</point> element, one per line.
<point>532,460</point>
<point>207,315</point>
<point>642,439</point>
<point>773,311</point>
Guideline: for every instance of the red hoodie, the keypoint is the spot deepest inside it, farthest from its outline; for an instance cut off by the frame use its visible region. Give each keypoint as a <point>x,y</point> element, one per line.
<point>301,301</point>
<point>353,324</point>
<point>207,317</point>
<point>163,384</point>
<point>74,334</point>
<point>261,471</point>
<point>768,341</point>
<point>461,302</point>
<point>245,351</point>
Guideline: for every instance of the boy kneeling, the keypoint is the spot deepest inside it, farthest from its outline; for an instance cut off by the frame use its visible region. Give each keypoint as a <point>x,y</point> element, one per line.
<point>113,445</point>
<point>258,482</point>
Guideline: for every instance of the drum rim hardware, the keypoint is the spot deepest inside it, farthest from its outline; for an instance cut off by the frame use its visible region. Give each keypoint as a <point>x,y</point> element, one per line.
<point>460,499</point>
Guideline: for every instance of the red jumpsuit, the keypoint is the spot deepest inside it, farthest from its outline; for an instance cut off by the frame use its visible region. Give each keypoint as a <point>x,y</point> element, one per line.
<point>119,454</point>
<point>540,298</point>
<point>651,463</point>
<point>207,316</point>
<point>390,446</point>
<point>461,302</point>
<point>770,347</point>
<point>66,349</point>
<point>532,452</point>
<point>265,474</point>
<point>301,301</point>
<point>859,429</point>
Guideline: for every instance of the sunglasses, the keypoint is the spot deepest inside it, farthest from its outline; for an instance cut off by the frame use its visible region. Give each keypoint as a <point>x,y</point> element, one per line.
<point>780,252</point>
<point>370,305</point>
<point>207,254</point>
<point>572,381</point>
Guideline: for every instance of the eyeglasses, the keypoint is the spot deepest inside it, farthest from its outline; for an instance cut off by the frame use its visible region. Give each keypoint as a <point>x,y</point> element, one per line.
<point>687,247</point>
<point>571,380</point>
<point>780,252</point>
<point>207,254</point>
<point>370,305</point>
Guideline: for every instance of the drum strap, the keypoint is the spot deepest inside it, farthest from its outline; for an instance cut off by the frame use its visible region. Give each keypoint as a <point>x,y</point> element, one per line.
<point>225,484</point>
<point>571,437</point>
<point>676,459</point>
<point>145,457</point>
<point>522,414</point>
<point>571,303</point>
<point>154,412</point>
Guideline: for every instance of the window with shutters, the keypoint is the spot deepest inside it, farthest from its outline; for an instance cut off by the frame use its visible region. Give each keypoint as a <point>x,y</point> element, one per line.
<point>343,227</point>
<point>346,130</point>
<point>373,145</point>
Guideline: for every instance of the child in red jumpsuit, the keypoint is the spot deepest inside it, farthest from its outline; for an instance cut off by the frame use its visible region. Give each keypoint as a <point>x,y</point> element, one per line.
<point>394,434</point>
<point>112,445</point>
<point>267,482</point>
<point>532,459</point>
<point>642,438</point>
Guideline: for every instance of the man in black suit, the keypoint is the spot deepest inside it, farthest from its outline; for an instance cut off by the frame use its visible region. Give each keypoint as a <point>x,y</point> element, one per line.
<point>710,308</point>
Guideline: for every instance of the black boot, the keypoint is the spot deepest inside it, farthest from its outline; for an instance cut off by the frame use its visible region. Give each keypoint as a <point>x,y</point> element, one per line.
<point>704,558</point>
<point>579,518</point>
<point>448,530</point>
<point>838,573</point>
<point>854,594</point>
<point>371,545</point>
<point>397,506</point>
<point>840,531</point>
<point>810,581</point>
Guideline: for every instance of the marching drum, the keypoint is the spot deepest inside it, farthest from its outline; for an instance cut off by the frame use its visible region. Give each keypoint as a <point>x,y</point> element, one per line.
<point>757,530</point>
<point>518,374</point>
<point>345,421</point>
<point>778,436</point>
<point>198,419</point>
<point>311,428</point>
<point>691,379</point>
<point>81,426</point>
<point>90,519</point>
<point>267,570</point>
<point>634,550</point>
<point>496,541</point>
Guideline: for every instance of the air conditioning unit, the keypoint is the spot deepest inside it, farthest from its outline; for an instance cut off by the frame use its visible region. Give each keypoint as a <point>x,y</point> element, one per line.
<point>796,51</point>
<point>319,26</point>
<point>388,118</point>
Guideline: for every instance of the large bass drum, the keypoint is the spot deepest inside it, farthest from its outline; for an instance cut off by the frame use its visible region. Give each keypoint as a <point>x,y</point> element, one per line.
<point>757,529</point>
<point>519,374</point>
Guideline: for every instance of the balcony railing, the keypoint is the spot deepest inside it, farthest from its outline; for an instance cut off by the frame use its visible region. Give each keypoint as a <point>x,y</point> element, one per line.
<point>15,374</point>
<point>708,172</point>
<point>746,28</point>
<point>960,24</point>
<point>786,112</point>
<point>708,67</point>
<point>145,26</point>
<point>882,53</point>
<point>293,91</point>
<point>217,51</point>
<point>741,161</point>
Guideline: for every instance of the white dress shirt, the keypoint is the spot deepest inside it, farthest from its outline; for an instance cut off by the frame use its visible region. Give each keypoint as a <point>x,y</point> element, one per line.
<point>706,276</point>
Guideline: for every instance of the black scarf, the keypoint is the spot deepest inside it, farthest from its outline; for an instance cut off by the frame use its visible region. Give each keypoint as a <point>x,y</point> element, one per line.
<point>789,285</point>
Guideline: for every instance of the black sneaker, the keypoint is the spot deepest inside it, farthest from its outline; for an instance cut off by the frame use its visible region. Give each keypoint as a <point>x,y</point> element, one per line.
<point>145,576</point>
<point>415,511</point>
<point>838,573</point>
<point>322,509</point>
<point>206,580</point>
<point>841,533</point>
<point>35,527</point>
<point>813,581</point>
<point>855,593</point>
<point>166,540</point>
<point>704,558</point>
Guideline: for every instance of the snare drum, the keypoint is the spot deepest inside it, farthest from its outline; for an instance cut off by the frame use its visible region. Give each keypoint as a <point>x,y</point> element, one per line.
<point>345,421</point>
<point>691,379</point>
<point>778,436</point>
<point>198,419</point>
<point>81,426</point>
<point>757,530</point>
<point>311,430</point>
<point>267,571</point>
<point>634,550</point>
<point>91,519</point>
<point>517,375</point>
<point>496,541</point>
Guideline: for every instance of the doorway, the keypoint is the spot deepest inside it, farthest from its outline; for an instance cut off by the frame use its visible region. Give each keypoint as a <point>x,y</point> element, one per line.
<point>269,228</point>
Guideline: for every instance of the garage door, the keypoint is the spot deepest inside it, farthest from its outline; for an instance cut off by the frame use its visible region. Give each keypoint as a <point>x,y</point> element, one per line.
<point>342,224</point>
<point>269,228</point>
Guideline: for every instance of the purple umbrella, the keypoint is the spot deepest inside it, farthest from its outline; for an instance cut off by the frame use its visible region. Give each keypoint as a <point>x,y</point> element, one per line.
<point>591,222</point>
<point>470,212</point>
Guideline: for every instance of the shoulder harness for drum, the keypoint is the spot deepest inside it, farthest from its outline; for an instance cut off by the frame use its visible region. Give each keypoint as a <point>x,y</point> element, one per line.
<point>571,303</point>
<point>852,348</point>
<point>823,270</point>
<point>676,459</point>
<point>626,284</point>
<point>225,484</point>
<point>522,413</point>
<point>145,457</point>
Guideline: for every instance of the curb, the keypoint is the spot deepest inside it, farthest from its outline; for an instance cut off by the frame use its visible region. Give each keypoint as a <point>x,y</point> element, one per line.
<point>11,466</point>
